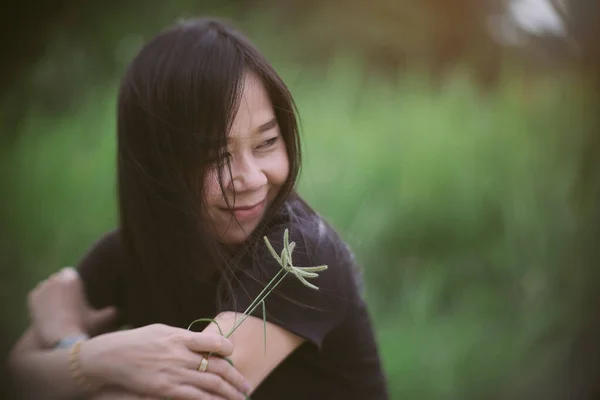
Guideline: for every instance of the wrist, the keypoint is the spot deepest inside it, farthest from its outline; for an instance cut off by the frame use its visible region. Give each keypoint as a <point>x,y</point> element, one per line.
<point>69,340</point>
<point>51,338</point>
<point>83,365</point>
<point>91,357</point>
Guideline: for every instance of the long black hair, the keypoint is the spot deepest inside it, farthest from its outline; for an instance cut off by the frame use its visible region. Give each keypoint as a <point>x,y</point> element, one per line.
<point>177,101</point>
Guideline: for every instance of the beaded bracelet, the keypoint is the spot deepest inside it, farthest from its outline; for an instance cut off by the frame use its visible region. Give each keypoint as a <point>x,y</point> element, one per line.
<point>75,368</point>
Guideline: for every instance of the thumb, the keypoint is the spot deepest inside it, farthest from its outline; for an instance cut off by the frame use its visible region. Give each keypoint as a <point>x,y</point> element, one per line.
<point>99,319</point>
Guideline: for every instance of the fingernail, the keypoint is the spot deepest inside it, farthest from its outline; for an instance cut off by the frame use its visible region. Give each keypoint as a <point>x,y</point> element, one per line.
<point>68,273</point>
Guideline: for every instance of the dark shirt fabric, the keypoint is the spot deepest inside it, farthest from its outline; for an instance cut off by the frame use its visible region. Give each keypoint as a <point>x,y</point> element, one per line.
<point>338,360</point>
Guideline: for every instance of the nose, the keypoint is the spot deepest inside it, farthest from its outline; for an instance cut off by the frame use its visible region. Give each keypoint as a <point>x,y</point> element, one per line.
<point>247,175</point>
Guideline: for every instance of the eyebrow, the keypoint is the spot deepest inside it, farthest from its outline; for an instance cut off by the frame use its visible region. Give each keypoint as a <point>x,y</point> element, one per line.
<point>267,126</point>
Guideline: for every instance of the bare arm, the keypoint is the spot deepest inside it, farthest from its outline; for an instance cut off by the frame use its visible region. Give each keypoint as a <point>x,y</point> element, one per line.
<point>154,360</point>
<point>58,309</point>
<point>27,342</point>
<point>42,373</point>
<point>249,355</point>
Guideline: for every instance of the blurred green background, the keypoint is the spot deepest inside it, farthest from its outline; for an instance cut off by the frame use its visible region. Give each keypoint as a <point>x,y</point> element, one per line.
<point>442,139</point>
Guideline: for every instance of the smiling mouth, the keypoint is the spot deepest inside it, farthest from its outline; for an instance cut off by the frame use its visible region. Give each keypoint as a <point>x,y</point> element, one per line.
<point>245,213</point>
<point>242,208</point>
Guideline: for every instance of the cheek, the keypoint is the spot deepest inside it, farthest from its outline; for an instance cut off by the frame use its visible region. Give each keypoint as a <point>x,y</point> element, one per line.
<point>279,168</point>
<point>212,189</point>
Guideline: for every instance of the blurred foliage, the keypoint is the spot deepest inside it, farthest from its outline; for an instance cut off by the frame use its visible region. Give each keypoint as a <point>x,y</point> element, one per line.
<point>392,36</point>
<point>88,44</point>
<point>461,204</point>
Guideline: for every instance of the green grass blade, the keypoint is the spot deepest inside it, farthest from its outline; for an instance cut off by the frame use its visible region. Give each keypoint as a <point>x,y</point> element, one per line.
<point>286,239</point>
<point>290,249</point>
<point>206,320</point>
<point>248,312</point>
<point>305,282</point>
<point>305,274</point>
<point>314,269</point>
<point>272,250</point>
<point>285,260</point>
<point>264,312</point>
<point>267,288</point>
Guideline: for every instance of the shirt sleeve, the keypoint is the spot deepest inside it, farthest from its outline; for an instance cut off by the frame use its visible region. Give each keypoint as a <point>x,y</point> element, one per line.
<point>304,311</point>
<point>101,270</point>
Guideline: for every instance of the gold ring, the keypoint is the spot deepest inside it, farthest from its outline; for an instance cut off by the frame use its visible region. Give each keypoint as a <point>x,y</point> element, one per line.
<point>203,364</point>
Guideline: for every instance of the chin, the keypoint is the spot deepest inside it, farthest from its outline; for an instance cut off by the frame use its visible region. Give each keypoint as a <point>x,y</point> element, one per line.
<point>236,235</point>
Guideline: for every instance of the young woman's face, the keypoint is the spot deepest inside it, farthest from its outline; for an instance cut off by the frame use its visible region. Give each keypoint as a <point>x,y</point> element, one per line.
<point>259,167</point>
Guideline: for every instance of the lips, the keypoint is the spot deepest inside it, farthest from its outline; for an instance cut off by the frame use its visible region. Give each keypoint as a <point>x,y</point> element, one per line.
<point>244,213</point>
<point>246,207</point>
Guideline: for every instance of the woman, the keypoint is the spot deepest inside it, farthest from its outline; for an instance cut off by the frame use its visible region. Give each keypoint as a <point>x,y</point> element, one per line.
<point>208,158</point>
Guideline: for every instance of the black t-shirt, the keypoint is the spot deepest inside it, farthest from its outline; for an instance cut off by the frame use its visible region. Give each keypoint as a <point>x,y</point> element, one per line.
<point>339,359</point>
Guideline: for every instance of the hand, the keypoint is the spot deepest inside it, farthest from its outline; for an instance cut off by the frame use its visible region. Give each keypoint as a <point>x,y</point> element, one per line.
<point>162,361</point>
<point>58,308</point>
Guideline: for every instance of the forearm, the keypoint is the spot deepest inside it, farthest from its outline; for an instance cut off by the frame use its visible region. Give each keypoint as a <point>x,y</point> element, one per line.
<point>27,342</point>
<point>40,371</point>
<point>30,341</point>
<point>248,357</point>
<point>44,374</point>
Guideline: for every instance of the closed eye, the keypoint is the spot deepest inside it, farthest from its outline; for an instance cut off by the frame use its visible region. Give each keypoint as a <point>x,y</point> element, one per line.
<point>268,143</point>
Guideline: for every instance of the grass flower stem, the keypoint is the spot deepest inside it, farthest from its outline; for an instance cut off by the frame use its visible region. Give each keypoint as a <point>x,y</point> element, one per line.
<point>259,299</point>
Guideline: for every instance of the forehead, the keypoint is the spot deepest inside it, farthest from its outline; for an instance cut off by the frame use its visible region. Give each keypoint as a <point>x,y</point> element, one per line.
<point>255,109</point>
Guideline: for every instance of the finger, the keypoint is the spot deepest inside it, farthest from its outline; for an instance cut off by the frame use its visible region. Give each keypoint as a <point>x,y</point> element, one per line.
<point>211,383</point>
<point>186,392</point>
<point>208,343</point>
<point>222,368</point>
<point>68,274</point>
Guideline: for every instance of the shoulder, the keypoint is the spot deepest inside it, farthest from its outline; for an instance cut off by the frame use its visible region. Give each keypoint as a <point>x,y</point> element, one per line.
<point>309,311</point>
<point>317,243</point>
<point>108,249</point>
